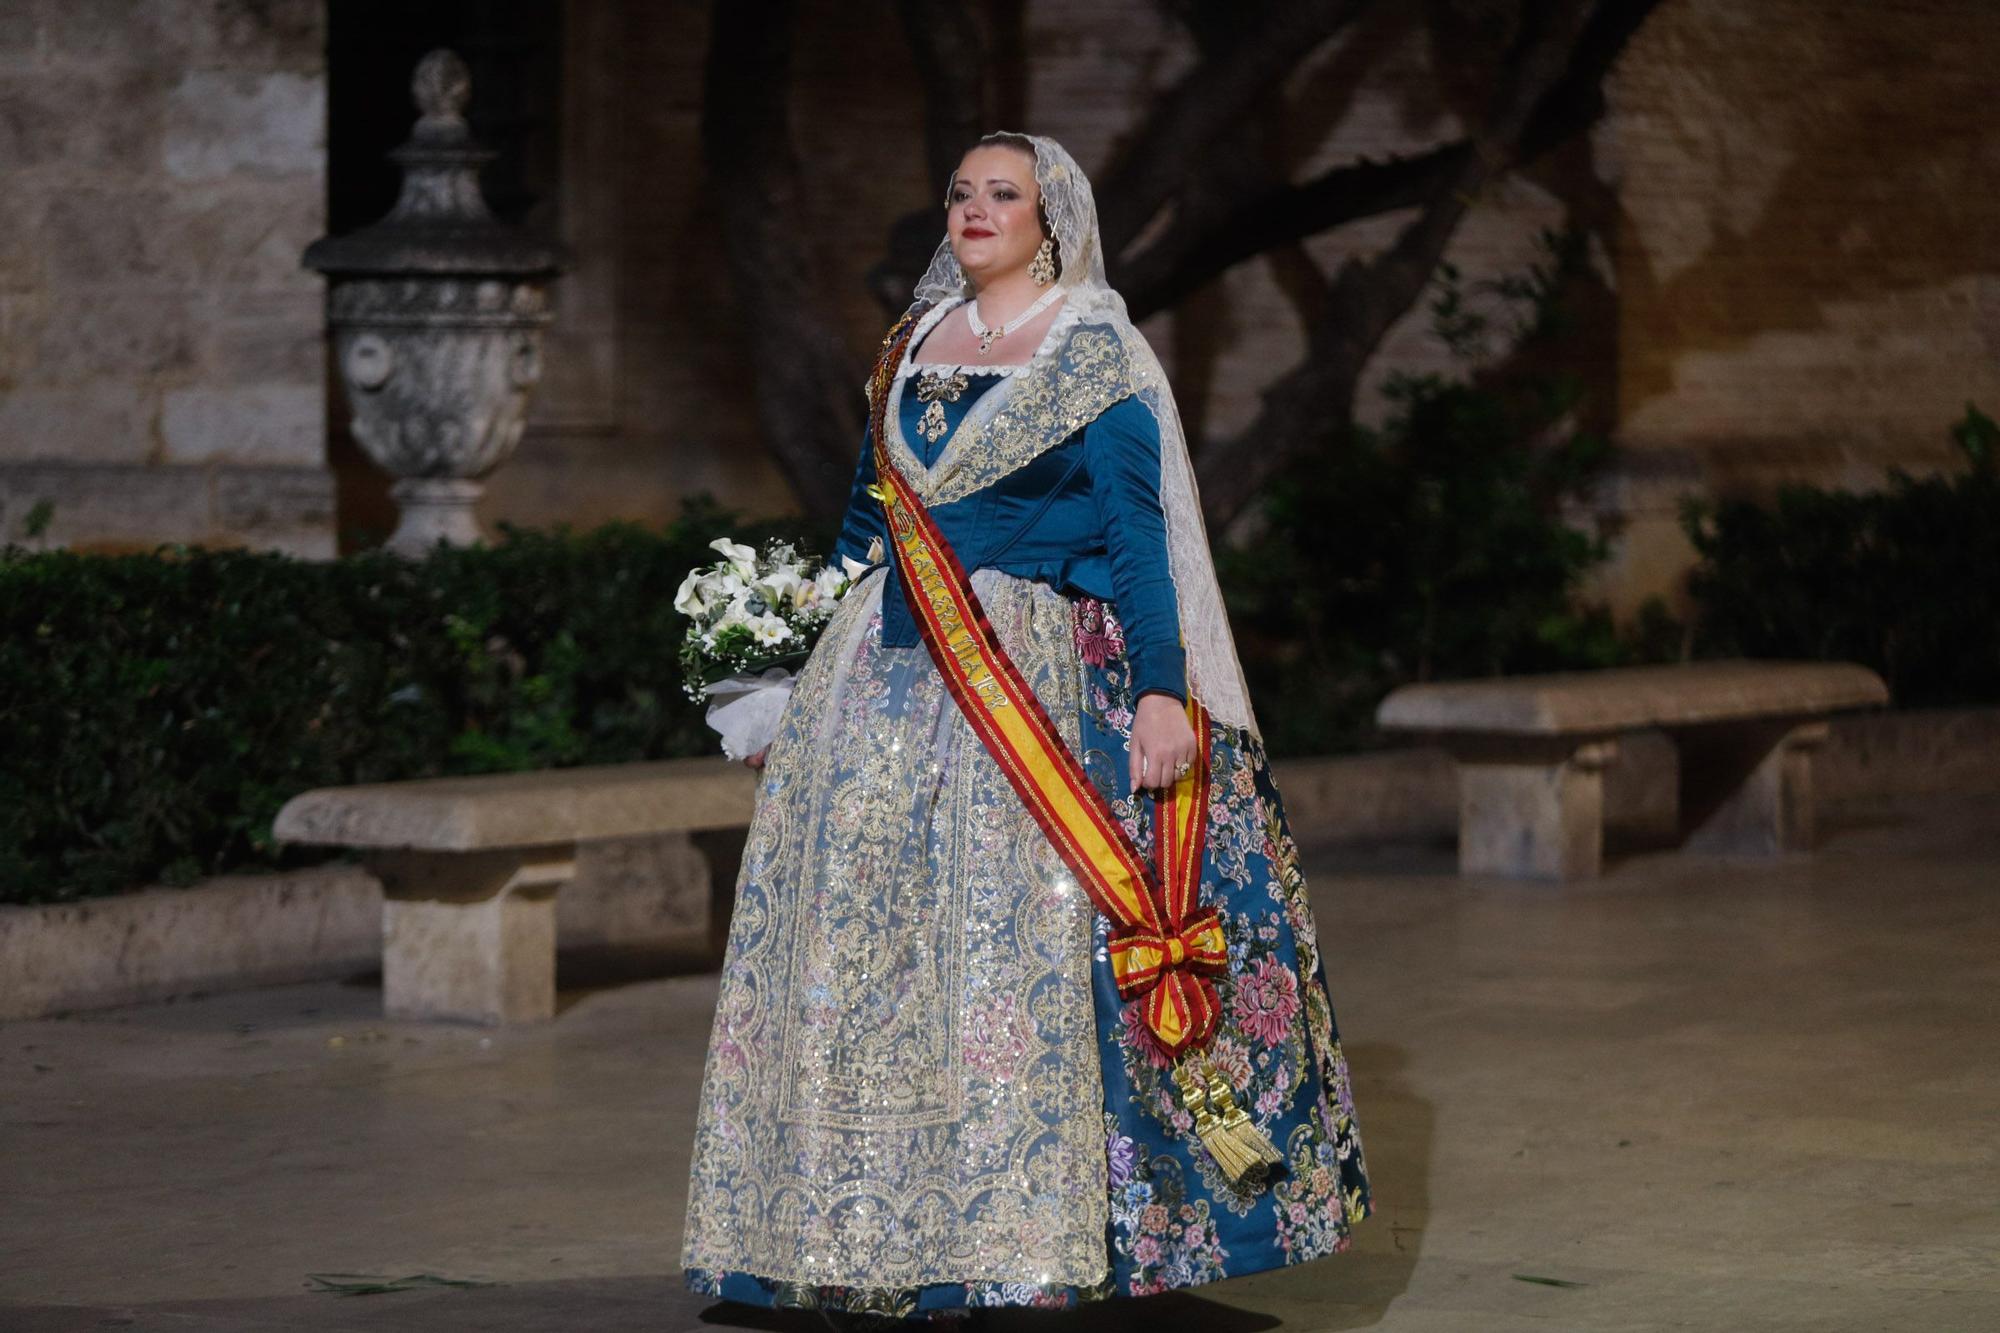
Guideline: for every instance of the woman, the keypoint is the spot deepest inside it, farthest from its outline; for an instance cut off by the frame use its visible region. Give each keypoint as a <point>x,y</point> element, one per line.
<point>929,1085</point>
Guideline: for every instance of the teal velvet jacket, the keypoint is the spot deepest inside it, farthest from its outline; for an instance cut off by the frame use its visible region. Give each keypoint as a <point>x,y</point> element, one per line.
<point>1083,517</point>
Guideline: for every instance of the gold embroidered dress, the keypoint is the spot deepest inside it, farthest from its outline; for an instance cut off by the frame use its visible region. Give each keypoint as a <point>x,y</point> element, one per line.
<point>922,1091</point>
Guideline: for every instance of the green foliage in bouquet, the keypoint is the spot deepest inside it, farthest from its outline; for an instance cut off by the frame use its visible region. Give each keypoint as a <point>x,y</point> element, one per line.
<point>1434,547</point>
<point>1905,580</point>
<point>157,710</point>
<point>733,652</point>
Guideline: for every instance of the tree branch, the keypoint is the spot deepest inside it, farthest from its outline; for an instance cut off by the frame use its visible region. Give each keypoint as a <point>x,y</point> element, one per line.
<point>1577,101</point>
<point>1193,252</point>
<point>1208,101</point>
<point>1561,45</point>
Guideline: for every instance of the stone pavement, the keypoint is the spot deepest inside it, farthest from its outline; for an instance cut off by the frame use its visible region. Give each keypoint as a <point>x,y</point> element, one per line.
<point>1716,1095</point>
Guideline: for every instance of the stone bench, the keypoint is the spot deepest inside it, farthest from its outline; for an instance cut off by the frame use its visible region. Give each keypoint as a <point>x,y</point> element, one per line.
<point>1531,751</point>
<point>470,867</point>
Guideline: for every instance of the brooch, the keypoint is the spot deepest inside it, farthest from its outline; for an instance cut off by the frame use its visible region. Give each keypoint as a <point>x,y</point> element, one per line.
<point>937,389</point>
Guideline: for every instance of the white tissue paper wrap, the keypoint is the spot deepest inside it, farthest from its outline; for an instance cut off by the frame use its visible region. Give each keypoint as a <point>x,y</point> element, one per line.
<point>746,708</point>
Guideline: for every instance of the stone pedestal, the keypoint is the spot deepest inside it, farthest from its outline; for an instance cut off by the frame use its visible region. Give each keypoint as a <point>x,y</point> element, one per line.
<point>723,850</point>
<point>435,509</point>
<point>1532,808</point>
<point>1747,789</point>
<point>471,935</point>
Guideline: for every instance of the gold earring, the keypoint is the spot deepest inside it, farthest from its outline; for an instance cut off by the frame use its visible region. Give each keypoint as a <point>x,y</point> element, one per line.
<point>1043,267</point>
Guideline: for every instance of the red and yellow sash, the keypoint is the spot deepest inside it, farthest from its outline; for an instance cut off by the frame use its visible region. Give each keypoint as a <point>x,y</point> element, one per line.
<point>1164,945</point>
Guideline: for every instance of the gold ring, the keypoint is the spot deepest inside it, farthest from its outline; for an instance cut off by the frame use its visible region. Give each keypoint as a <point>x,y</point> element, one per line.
<point>1181,771</point>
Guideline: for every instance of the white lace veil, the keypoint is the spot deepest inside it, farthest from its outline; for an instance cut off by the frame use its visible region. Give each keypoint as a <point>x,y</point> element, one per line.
<point>1214,673</point>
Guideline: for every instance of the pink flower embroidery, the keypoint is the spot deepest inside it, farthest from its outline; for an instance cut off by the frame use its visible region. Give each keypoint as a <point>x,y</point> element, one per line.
<point>1267,1000</point>
<point>1231,1061</point>
<point>1098,636</point>
<point>1146,1250</point>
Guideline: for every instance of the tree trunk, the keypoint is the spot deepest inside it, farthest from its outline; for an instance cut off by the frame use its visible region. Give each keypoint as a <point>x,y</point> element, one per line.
<point>809,402</point>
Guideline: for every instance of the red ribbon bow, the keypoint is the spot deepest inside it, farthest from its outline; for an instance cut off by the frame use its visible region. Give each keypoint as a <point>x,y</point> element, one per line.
<point>1168,972</point>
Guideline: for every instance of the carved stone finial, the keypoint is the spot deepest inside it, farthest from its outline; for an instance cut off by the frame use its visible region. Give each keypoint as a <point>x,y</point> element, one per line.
<point>437,312</point>
<point>442,85</point>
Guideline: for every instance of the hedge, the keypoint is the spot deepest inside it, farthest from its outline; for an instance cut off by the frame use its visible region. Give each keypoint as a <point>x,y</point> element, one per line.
<point>157,710</point>
<point>1905,579</point>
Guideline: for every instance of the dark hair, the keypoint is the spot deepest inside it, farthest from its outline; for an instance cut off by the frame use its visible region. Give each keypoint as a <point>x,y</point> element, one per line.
<point>1021,143</point>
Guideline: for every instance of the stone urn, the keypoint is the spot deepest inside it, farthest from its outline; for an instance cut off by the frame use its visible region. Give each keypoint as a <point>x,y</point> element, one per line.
<point>436,314</point>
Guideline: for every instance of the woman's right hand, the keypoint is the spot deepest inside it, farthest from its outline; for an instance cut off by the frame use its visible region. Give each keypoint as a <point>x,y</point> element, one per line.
<point>756,760</point>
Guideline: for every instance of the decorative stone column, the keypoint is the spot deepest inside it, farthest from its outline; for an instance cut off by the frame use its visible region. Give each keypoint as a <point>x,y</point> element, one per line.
<point>436,314</point>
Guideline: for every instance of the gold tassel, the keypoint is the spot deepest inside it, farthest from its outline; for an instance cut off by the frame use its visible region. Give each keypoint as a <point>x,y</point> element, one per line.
<point>1238,1146</point>
<point>1237,1124</point>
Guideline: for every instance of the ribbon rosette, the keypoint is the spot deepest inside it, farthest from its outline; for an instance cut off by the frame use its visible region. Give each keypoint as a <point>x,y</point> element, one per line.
<point>1168,974</point>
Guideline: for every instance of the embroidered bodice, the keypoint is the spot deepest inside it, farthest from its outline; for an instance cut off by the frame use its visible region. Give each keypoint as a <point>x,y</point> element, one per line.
<point>1083,517</point>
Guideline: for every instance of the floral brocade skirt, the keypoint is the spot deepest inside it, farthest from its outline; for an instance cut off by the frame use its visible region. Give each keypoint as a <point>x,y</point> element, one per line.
<point>922,1091</point>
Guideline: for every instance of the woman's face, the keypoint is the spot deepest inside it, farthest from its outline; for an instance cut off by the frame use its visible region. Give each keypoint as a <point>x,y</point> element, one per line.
<point>993,221</point>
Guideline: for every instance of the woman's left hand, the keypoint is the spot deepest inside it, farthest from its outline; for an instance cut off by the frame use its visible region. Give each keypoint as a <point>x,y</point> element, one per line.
<point>1162,741</point>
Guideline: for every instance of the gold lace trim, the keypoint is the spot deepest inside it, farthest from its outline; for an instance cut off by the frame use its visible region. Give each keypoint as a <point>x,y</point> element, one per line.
<point>1053,396</point>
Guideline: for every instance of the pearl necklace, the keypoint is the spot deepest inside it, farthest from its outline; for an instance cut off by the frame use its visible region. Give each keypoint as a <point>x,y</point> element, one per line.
<point>987,335</point>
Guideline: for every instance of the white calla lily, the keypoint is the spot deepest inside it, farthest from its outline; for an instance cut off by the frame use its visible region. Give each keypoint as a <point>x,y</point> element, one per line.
<point>778,585</point>
<point>742,559</point>
<point>689,600</point>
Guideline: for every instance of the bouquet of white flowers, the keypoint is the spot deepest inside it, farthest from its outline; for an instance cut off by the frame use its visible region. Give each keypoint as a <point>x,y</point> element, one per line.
<point>755,616</point>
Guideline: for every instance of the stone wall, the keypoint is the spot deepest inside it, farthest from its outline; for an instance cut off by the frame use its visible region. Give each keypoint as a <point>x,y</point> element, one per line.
<point>1808,284</point>
<point>161,364</point>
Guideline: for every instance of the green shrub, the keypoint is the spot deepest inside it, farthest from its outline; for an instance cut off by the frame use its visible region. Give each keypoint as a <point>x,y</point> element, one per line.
<point>1905,580</point>
<point>1434,547</point>
<point>157,710</point>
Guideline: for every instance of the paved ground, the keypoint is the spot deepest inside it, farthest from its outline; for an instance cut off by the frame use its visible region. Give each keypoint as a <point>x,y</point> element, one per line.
<point>1716,1095</point>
